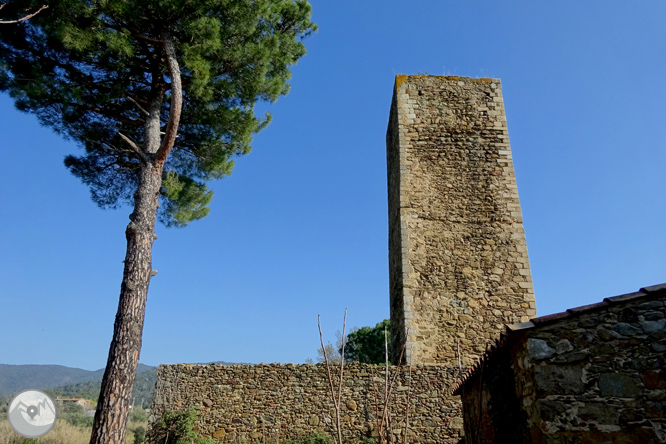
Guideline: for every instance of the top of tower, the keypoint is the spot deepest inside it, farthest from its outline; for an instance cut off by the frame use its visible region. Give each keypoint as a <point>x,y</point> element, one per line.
<point>401,78</point>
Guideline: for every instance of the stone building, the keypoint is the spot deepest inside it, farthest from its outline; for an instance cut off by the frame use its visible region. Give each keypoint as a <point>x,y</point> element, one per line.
<point>459,274</point>
<point>458,265</point>
<point>593,374</point>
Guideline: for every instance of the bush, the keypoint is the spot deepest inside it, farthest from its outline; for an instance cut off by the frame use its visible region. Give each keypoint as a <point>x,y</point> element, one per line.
<point>177,428</point>
<point>313,438</point>
<point>138,414</point>
<point>74,414</point>
<point>139,435</point>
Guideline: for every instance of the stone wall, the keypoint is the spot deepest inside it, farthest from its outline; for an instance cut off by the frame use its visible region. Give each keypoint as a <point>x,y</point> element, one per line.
<point>492,410</point>
<point>248,402</point>
<point>594,374</point>
<point>457,254</point>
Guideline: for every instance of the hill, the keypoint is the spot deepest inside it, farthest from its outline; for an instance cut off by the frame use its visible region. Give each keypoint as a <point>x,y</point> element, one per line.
<point>68,382</point>
<point>14,378</point>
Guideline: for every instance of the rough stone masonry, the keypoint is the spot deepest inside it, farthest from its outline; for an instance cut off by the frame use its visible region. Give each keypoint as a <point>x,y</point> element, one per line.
<point>458,273</point>
<point>458,262</point>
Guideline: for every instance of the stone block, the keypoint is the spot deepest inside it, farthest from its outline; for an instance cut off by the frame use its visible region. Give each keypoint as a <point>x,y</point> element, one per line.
<point>538,349</point>
<point>618,385</point>
<point>559,379</point>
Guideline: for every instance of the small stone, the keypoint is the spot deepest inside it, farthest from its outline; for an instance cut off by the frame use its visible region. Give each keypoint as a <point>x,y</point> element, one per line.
<point>559,379</point>
<point>351,405</point>
<point>653,316</point>
<point>219,433</point>
<point>653,326</point>
<point>604,334</point>
<point>658,347</point>
<point>208,403</point>
<point>616,384</point>
<point>653,380</point>
<point>563,346</point>
<point>570,358</point>
<point>456,423</point>
<point>314,420</point>
<point>650,305</point>
<point>539,349</point>
<point>626,329</point>
<point>599,412</point>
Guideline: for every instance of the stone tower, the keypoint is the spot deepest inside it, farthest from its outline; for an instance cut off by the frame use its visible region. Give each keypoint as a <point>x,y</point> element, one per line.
<point>458,261</point>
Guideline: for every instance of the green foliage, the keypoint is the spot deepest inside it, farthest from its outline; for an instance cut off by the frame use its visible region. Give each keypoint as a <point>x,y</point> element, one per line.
<point>366,344</point>
<point>142,393</point>
<point>74,414</point>
<point>313,438</point>
<point>177,428</point>
<point>138,415</point>
<point>139,435</point>
<point>89,68</point>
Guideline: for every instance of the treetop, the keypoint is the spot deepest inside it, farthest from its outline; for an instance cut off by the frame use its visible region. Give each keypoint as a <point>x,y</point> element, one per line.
<point>95,70</point>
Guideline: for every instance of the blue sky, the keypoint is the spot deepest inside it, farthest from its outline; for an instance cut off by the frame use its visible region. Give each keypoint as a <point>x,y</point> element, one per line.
<point>300,228</point>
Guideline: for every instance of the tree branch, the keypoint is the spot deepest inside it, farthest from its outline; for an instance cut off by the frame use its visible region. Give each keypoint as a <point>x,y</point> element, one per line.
<point>176,102</point>
<point>134,147</point>
<point>141,108</point>
<point>336,401</point>
<point>27,17</point>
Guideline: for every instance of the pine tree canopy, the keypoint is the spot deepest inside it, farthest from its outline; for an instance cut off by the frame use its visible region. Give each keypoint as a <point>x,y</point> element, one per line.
<point>95,70</point>
<point>367,345</point>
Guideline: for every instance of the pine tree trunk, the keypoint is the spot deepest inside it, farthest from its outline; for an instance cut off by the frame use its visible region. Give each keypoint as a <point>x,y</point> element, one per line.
<point>110,424</point>
<point>115,398</point>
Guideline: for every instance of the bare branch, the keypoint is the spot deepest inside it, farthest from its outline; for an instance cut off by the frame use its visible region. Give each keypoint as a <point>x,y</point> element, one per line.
<point>384,424</point>
<point>336,401</point>
<point>176,102</point>
<point>141,108</point>
<point>27,17</point>
<point>135,147</point>
<point>147,39</point>
<point>342,365</point>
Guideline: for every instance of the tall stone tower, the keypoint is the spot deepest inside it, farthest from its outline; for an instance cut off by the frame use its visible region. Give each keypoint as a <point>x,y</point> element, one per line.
<point>457,254</point>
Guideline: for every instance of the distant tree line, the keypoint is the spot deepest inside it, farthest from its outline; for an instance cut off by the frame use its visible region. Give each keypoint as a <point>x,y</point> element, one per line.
<point>142,393</point>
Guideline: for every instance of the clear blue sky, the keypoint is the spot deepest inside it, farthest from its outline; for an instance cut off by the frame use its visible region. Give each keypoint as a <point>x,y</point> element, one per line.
<point>300,228</point>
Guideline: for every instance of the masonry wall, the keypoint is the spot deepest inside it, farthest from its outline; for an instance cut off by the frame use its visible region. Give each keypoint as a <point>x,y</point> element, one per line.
<point>599,377</point>
<point>590,377</point>
<point>250,402</point>
<point>458,261</point>
<point>492,409</point>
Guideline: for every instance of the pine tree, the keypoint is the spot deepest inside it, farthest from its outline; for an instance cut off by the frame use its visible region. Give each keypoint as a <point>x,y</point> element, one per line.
<point>160,95</point>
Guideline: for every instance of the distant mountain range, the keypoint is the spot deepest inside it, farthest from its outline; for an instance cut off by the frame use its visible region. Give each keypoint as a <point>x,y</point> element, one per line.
<point>14,378</point>
<point>71,382</point>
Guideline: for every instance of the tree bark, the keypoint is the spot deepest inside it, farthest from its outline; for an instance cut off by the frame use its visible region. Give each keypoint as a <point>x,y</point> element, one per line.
<point>110,424</point>
<point>115,398</point>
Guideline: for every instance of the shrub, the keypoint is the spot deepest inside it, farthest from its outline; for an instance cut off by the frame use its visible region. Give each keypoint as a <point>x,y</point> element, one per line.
<point>313,438</point>
<point>139,435</point>
<point>177,428</point>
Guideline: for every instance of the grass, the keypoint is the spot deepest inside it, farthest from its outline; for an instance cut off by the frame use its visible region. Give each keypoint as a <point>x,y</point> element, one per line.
<point>62,433</point>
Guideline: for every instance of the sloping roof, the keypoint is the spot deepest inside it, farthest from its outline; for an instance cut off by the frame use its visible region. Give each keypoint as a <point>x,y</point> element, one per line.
<point>512,331</point>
